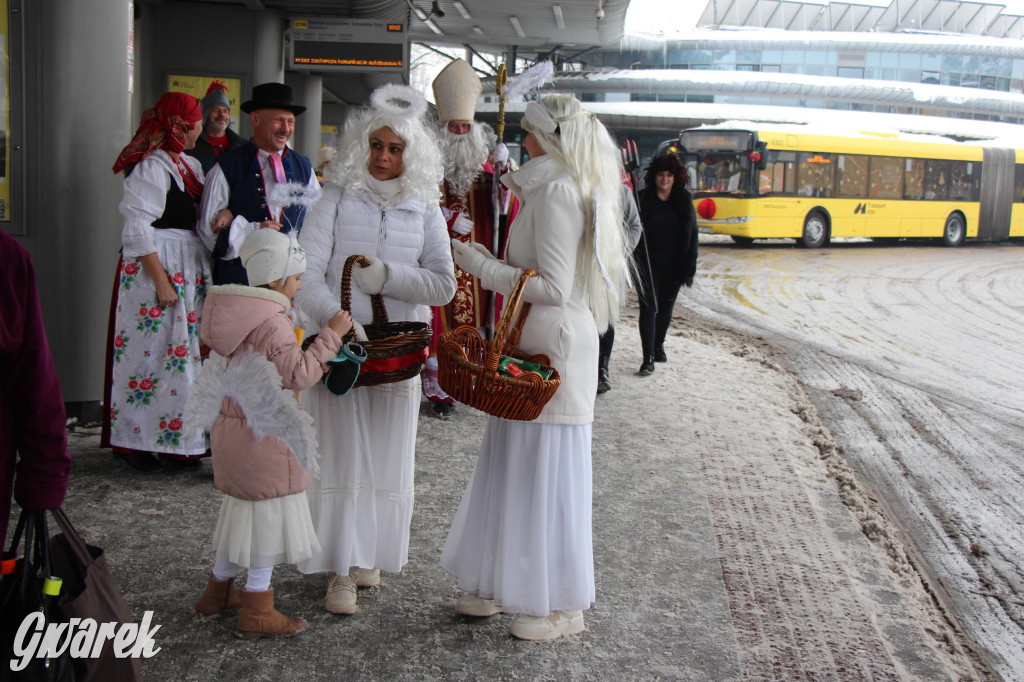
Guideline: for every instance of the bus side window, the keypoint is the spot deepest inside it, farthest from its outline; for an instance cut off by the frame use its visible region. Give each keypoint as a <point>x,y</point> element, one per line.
<point>1018,184</point>
<point>886,179</point>
<point>961,180</point>
<point>914,179</point>
<point>815,175</point>
<point>853,176</point>
<point>766,178</point>
<point>936,180</point>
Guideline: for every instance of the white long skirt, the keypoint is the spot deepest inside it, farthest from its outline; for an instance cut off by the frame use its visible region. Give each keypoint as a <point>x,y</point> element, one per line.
<point>362,504</point>
<point>265,533</point>
<point>522,533</point>
<point>156,350</point>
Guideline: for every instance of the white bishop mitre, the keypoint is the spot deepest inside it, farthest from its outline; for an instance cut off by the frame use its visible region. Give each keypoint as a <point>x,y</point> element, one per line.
<point>456,91</point>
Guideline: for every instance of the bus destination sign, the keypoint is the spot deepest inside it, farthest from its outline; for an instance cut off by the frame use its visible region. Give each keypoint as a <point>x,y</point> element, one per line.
<point>717,140</point>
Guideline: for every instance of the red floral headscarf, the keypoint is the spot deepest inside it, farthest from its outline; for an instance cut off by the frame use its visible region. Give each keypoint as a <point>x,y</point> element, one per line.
<point>164,127</point>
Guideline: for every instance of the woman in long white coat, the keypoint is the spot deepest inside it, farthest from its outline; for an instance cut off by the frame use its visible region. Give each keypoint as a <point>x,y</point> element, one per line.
<point>381,202</point>
<point>521,539</point>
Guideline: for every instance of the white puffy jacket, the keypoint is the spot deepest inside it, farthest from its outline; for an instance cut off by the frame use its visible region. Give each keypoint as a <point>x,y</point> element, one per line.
<point>411,238</point>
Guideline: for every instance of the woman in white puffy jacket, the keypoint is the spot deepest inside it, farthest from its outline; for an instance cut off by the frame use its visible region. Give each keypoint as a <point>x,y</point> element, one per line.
<point>521,539</point>
<point>381,202</point>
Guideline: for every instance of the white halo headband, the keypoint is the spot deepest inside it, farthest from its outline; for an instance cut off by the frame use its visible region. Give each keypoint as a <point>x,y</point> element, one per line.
<point>538,117</point>
<point>398,100</point>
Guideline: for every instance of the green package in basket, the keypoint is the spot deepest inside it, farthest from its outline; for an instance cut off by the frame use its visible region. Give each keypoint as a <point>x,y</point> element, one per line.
<point>515,367</point>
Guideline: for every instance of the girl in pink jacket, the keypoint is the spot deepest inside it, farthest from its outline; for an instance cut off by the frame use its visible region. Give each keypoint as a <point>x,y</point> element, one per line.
<point>264,446</point>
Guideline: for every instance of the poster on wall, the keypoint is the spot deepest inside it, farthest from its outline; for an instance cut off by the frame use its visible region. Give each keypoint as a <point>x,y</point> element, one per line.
<point>329,136</point>
<point>5,116</point>
<point>198,86</point>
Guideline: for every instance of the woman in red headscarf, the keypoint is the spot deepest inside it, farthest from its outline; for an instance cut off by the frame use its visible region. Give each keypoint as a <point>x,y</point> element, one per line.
<point>153,351</point>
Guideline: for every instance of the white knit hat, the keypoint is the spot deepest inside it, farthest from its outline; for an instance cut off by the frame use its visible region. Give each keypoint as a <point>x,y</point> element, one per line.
<point>269,256</point>
<point>456,91</point>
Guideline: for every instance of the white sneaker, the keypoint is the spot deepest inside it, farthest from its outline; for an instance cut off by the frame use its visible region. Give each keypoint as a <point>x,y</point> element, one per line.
<point>341,595</point>
<point>365,577</point>
<point>558,624</point>
<point>472,604</point>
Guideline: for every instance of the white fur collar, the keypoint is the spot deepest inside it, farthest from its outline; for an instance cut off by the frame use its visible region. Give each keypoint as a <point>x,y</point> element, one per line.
<point>251,292</point>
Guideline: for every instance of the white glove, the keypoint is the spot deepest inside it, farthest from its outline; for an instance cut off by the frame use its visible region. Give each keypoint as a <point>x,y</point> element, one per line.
<point>372,278</point>
<point>482,249</point>
<point>469,257</point>
<point>500,154</point>
<point>462,225</point>
<point>359,332</point>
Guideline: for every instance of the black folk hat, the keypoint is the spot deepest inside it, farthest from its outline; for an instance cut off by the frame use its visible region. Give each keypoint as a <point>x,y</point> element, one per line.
<point>272,96</point>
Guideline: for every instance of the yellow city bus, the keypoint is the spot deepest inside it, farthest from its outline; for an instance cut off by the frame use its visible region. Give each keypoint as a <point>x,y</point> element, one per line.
<point>793,181</point>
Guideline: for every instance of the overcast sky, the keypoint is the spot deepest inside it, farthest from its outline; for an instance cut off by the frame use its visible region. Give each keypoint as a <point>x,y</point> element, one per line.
<point>653,16</point>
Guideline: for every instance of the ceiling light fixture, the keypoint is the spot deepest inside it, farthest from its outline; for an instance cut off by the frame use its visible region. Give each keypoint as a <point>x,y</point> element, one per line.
<point>462,9</point>
<point>517,26</point>
<point>559,20</point>
<point>433,27</point>
<point>477,30</point>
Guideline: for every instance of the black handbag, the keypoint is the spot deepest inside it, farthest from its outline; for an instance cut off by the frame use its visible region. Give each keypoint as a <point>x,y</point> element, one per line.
<point>26,591</point>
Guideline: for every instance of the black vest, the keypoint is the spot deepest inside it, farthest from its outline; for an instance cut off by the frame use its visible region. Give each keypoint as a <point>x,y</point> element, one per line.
<point>180,210</point>
<point>248,198</point>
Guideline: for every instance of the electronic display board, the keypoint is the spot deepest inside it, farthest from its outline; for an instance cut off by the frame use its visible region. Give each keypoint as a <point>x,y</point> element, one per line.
<point>347,45</point>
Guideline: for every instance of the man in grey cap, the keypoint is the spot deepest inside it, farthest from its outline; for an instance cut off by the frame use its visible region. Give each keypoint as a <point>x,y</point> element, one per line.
<point>216,137</point>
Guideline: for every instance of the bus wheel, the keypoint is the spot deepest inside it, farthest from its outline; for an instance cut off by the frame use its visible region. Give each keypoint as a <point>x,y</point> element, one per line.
<point>815,231</point>
<point>953,235</point>
<point>742,241</point>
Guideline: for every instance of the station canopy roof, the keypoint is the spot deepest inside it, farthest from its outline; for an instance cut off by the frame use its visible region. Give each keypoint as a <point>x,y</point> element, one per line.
<point>544,28</point>
<point>972,17</point>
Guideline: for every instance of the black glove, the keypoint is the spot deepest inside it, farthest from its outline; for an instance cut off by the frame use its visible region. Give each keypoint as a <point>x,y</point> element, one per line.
<point>344,369</point>
<point>688,282</point>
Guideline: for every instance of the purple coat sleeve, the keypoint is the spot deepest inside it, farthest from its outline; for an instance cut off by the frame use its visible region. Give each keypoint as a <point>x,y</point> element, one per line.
<point>33,435</point>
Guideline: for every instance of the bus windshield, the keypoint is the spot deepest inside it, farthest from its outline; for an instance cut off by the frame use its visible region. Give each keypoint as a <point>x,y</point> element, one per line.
<point>718,172</point>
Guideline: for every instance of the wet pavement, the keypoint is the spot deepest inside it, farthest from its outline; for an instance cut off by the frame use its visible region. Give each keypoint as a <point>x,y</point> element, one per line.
<point>913,354</point>
<point>732,542</point>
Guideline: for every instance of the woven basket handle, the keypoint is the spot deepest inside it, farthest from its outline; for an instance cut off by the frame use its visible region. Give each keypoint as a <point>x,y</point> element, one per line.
<point>380,313</point>
<point>506,336</point>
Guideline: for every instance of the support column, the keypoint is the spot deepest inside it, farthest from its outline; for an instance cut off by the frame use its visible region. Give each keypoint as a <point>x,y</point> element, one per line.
<point>307,89</point>
<point>268,55</point>
<point>79,119</point>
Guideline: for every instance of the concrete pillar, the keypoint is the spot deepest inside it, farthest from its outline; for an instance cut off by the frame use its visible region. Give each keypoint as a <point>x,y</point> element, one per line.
<point>268,55</point>
<point>80,118</point>
<point>307,90</point>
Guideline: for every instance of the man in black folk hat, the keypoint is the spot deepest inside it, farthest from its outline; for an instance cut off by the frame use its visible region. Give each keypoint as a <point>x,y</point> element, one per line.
<point>239,196</point>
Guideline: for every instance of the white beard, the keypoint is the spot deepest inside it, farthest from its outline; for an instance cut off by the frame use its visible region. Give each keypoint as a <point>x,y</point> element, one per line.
<point>463,156</point>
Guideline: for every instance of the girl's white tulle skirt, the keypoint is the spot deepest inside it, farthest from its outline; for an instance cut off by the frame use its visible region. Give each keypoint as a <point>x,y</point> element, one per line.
<point>522,533</point>
<point>265,533</point>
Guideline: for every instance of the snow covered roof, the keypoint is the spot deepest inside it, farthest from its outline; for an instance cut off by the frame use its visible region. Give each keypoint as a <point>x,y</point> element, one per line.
<point>733,38</point>
<point>757,84</point>
<point>672,117</point>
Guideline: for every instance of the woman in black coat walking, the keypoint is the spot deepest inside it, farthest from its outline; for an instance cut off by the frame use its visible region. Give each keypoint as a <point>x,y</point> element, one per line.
<point>670,238</point>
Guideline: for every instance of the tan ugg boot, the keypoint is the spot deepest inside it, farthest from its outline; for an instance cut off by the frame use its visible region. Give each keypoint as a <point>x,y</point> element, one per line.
<point>259,618</point>
<point>219,595</point>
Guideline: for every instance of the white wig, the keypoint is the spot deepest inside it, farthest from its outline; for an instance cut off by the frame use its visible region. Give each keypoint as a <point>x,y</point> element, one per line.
<point>400,108</point>
<point>580,143</point>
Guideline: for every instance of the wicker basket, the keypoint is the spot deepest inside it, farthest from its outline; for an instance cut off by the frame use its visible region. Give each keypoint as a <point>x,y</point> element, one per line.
<point>468,366</point>
<point>395,351</point>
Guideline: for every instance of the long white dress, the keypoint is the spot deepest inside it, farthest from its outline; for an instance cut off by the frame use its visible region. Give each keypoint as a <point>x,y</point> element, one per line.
<point>156,350</point>
<point>362,504</point>
<point>522,534</point>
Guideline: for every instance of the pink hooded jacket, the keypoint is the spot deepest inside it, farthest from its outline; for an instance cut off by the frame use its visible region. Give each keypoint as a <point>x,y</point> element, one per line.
<point>238,318</point>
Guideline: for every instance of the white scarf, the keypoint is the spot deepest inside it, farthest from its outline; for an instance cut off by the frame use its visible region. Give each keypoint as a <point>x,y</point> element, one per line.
<point>385,193</point>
